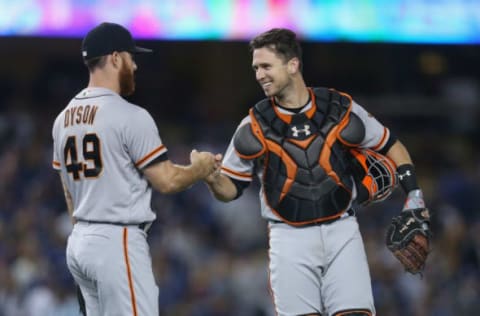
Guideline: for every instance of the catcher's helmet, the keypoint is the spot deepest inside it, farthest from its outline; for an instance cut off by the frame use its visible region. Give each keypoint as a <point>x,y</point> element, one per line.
<point>375,175</point>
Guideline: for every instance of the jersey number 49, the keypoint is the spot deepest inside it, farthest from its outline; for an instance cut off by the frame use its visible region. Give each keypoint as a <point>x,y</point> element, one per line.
<point>91,165</point>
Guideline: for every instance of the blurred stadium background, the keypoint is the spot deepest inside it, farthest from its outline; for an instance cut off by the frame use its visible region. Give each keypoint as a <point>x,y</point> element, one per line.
<point>413,64</point>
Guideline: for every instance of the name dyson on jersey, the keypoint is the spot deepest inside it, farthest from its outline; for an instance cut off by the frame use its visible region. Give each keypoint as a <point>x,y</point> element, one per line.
<point>80,115</point>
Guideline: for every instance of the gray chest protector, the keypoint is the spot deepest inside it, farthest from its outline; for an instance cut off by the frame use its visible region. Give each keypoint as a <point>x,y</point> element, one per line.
<point>306,176</point>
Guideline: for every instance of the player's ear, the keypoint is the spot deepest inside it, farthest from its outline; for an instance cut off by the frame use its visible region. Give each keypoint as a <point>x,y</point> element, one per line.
<point>116,59</point>
<point>293,65</point>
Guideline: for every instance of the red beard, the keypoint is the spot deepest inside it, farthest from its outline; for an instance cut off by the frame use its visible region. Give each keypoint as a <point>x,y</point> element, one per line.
<point>127,80</point>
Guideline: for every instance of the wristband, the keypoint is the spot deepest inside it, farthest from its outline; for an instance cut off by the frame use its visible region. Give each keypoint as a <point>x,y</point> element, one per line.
<point>414,200</point>
<point>407,178</point>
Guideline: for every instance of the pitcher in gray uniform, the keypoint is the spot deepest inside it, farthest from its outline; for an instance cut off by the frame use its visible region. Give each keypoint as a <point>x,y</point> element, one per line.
<point>109,155</point>
<point>313,150</point>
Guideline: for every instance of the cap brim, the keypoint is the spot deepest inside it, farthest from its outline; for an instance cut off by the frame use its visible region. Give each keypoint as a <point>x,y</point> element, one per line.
<point>140,50</point>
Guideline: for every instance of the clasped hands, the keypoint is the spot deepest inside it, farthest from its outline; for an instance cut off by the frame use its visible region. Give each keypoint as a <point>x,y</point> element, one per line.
<point>206,163</point>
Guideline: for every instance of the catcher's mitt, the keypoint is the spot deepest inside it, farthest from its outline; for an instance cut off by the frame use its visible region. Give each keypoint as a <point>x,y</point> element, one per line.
<point>408,237</point>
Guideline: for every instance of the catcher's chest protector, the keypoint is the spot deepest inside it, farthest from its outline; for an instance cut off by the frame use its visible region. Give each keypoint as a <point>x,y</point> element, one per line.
<point>305,176</point>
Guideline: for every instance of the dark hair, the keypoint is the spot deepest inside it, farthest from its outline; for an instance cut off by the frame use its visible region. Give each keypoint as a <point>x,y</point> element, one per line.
<point>282,41</point>
<point>97,62</point>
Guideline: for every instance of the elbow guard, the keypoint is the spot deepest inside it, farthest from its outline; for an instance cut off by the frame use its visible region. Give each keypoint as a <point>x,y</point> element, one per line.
<point>353,133</point>
<point>247,144</point>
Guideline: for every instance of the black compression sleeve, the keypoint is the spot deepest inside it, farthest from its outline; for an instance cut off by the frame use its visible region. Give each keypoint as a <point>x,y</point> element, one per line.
<point>240,185</point>
<point>407,177</point>
<point>391,140</point>
<point>160,158</point>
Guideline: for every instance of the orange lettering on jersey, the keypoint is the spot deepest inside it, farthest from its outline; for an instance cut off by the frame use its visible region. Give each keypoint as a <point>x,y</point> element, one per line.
<point>85,114</point>
<point>92,114</point>
<point>72,114</point>
<point>67,118</point>
<point>79,115</point>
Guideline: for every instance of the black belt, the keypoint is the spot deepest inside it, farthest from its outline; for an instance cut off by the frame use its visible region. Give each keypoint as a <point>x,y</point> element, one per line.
<point>145,226</point>
<point>350,212</point>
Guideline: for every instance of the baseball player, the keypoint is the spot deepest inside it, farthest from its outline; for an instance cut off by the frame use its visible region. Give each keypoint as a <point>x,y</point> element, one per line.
<point>298,142</point>
<point>109,155</point>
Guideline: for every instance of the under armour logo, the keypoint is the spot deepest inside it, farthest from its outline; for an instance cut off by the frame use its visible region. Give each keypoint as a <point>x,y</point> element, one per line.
<point>406,174</point>
<point>405,227</point>
<point>305,129</point>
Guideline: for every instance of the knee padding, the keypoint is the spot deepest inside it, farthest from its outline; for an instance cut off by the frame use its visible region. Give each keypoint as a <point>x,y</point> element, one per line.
<point>354,312</point>
<point>354,132</point>
<point>247,144</point>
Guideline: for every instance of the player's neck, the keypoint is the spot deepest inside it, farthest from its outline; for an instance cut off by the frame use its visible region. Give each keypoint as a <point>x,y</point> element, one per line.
<point>103,80</point>
<point>295,97</point>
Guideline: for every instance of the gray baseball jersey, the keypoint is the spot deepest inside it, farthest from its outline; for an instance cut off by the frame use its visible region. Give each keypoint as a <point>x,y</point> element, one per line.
<point>101,143</point>
<point>311,268</point>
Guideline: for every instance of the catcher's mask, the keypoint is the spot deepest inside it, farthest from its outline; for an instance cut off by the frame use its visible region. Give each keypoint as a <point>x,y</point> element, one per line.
<point>375,175</point>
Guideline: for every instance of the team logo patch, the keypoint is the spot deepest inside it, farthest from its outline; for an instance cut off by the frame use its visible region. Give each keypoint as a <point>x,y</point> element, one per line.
<point>296,131</point>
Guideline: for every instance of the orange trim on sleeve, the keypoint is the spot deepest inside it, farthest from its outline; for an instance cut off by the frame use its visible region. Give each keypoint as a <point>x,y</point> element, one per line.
<point>56,164</point>
<point>129,272</point>
<point>381,143</point>
<point>245,176</point>
<point>148,156</point>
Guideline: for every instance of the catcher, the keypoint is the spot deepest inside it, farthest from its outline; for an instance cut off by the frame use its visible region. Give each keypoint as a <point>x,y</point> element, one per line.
<point>298,142</point>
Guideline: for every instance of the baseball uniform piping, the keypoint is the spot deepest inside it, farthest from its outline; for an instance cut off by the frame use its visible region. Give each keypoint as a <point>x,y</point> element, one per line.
<point>237,175</point>
<point>382,141</point>
<point>160,148</point>
<point>129,272</point>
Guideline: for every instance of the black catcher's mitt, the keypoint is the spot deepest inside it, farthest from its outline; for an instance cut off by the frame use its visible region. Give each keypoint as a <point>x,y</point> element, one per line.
<point>408,237</point>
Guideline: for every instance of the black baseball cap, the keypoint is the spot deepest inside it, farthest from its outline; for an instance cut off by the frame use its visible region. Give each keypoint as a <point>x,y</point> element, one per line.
<point>107,38</point>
